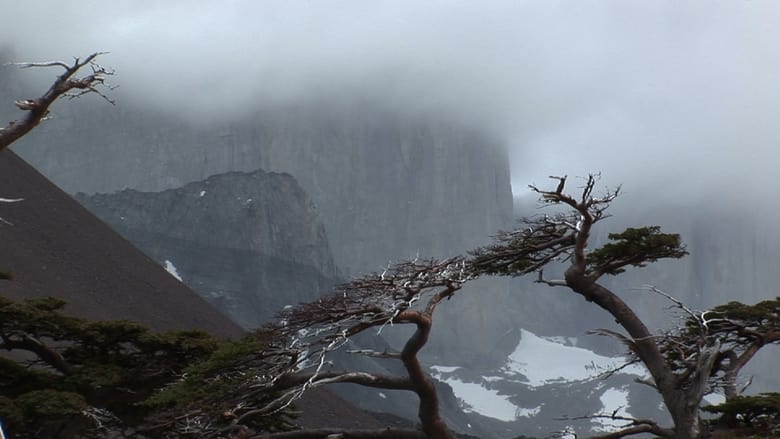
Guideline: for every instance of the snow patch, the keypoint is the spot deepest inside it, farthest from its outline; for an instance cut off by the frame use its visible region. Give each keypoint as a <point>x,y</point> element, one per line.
<point>170,268</point>
<point>613,402</point>
<point>537,361</point>
<point>444,369</point>
<point>382,395</point>
<point>484,401</point>
<point>11,200</point>
<point>528,413</point>
<point>202,193</point>
<point>543,361</point>
<point>714,399</point>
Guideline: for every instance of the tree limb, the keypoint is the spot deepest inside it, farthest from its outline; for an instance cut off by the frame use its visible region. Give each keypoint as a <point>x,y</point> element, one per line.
<point>38,109</point>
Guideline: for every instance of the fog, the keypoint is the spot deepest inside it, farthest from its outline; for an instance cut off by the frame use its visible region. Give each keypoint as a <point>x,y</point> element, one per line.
<point>661,95</point>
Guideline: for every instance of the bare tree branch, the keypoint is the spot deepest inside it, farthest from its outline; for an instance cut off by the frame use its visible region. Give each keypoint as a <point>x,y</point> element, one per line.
<point>630,427</point>
<point>38,109</point>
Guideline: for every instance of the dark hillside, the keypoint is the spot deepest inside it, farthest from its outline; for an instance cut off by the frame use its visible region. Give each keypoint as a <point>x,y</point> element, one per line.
<point>54,247</point>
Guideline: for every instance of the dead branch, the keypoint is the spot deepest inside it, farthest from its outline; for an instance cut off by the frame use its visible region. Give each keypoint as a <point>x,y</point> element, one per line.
<point>68,84</point>
<point>405,293</point>
<point>630,427</point>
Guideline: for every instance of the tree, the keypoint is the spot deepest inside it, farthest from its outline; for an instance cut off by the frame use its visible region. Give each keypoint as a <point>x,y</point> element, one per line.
<point>756,414</point>
<point>738,331</point>
<point>94,379</point>
<point>74,377</point>
<point>68,84</point>
<point>71,377</point>
<point>563,237</point>
<point>405,294</point>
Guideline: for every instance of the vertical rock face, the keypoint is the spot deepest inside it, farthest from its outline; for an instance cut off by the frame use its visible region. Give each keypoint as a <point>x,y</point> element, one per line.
<point>391,187</point>
<point>248,242</point>
<point>386,186</point>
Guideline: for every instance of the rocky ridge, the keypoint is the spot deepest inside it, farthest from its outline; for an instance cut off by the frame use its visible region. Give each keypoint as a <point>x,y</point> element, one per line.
<point>250,243</point>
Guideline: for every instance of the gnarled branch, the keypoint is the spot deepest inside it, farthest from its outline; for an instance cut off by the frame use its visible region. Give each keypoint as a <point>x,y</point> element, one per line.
<point>67,84</point>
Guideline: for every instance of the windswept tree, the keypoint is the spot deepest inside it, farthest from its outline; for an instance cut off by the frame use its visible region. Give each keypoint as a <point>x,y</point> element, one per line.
<point>69,377</point>
<point>405,294</point>
<point>563,238</point>
<point>264,383</point>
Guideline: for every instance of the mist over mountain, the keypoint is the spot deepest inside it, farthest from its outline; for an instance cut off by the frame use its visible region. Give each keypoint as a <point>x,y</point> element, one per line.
<point>643,92</point>
<point>409,124</point>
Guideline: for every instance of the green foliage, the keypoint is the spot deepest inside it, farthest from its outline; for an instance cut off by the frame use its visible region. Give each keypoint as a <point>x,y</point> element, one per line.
<point>219,383</point>
<point>636,247</point>
<point>112,365</point>
<point>12,414</point>
<point>16,379</point>
<point>765,311</point>
<point>49,403</point>
<point>759,413</point>
<point>138,377</point>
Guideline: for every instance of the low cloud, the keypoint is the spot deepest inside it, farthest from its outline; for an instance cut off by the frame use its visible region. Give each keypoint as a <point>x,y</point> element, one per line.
<point>671,95</point>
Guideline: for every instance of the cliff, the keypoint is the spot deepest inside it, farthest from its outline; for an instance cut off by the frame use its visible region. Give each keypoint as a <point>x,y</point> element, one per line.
<point>386,185</point>
<point>250,243</point>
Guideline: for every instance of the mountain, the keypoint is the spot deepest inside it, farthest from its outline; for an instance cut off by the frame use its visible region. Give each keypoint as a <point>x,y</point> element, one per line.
<point>249,243</point>
<point>386,185</point>
<point>55,247</point>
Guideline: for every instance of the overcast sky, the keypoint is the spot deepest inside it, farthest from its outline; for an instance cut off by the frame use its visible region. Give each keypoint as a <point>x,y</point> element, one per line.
<point>661,91</point>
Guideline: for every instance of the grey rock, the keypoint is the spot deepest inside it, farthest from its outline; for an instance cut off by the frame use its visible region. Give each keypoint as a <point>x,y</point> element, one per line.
<point>250,243</point>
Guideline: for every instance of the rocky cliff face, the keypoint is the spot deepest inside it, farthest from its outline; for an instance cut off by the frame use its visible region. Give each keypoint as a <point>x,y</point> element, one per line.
<point>386,186</point>
<point>250,243</point>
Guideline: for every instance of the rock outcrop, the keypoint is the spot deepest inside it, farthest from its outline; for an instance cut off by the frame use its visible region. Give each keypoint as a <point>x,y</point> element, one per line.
<point>250,243</point>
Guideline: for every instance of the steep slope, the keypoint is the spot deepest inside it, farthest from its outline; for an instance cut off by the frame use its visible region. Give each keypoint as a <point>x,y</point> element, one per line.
<point>55,247</point>
<point>250,243</point>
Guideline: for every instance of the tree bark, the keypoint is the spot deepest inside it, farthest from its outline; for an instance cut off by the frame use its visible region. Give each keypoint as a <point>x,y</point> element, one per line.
<point>684,412</point>
<point>433,425</point>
